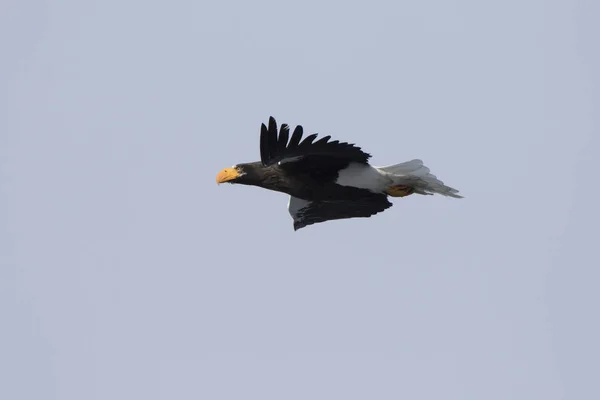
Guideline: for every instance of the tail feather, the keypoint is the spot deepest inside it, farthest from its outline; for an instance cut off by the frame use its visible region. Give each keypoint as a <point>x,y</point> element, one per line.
<point>413,173</point>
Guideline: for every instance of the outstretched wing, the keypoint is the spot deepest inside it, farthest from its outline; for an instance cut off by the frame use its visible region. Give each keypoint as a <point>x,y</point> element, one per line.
<point>306,212</point>
<point>295,153</point>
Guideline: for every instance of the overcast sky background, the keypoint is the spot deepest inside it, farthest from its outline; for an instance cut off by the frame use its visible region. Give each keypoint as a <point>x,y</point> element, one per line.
<point>127,273</point>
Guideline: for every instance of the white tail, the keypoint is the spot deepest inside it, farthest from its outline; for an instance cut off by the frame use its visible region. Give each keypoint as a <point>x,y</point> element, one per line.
<point>414,174</point>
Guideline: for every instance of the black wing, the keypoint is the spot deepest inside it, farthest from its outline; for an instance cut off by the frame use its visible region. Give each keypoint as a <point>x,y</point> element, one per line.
<point>306,212</point>
<point>285,150</point>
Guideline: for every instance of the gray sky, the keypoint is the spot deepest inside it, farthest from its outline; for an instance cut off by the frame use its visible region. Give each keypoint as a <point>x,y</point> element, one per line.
<point>128,273</point>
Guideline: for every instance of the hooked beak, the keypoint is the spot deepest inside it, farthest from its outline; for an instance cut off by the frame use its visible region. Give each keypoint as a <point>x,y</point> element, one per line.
<point>227,175</point>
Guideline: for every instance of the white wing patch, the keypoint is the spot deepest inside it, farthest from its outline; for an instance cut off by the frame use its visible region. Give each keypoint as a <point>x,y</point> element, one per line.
<point>364,176</point>
<point>289,160</point>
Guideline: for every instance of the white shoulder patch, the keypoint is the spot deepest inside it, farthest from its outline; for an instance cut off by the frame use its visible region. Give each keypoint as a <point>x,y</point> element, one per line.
<point>364,176</point>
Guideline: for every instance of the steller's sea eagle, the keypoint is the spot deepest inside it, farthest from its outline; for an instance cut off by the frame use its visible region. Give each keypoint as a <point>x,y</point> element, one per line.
<point>329,180</point>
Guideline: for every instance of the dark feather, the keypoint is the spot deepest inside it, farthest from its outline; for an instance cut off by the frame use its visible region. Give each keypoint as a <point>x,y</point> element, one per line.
<point>264,143</point>
<point>272,135</point>
<point>274,148</point>
<point>284,133</point>
<point>296,137</point>
<point>313,212</point>
<point>308,141</point>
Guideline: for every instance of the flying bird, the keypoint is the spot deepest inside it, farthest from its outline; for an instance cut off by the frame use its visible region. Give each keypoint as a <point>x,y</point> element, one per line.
<point>327,179</point>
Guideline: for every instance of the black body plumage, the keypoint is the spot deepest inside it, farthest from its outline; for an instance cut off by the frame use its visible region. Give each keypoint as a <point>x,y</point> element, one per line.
<point>308,170</point>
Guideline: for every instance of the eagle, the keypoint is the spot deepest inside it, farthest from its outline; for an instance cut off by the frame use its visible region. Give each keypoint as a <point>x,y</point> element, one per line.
<point>328,179</point>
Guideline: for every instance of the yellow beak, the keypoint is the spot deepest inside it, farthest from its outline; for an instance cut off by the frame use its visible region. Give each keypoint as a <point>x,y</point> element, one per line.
<point>227,175</point>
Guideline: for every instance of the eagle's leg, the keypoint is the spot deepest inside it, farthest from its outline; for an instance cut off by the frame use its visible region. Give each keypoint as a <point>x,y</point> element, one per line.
<point>400,191</point>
